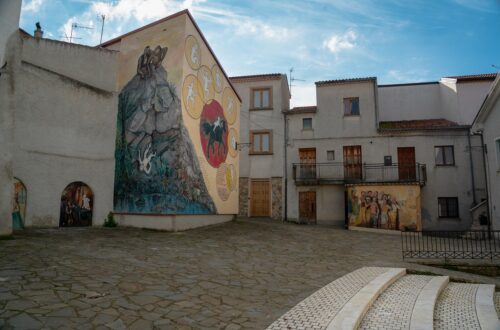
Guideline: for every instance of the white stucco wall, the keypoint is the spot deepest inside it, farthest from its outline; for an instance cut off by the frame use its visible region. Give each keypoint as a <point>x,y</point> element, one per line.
<point>64,126</point>
<point>10,11</point>
<point>470,97</point>
<point>409,102</point>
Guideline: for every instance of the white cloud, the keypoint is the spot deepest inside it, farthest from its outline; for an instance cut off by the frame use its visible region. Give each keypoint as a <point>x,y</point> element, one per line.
<point>32,6</point>
<point>411,76</point>
<point>303,95</point>
<point>338,43</point>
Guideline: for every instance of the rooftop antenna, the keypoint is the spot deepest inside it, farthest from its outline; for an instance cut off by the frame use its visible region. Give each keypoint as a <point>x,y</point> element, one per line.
<point>65,36</point>
<point>76,26</point>
<point>292,79</point>
<point>103,18</point>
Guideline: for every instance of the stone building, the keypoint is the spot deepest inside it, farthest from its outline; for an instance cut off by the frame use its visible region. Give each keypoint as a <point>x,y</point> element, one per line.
<point>144,126</point>
<point>387,156</point>
<point>262,159</point>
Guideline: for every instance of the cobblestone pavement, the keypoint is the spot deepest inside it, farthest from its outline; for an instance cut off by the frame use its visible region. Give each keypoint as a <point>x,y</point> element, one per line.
<point>243,274</point>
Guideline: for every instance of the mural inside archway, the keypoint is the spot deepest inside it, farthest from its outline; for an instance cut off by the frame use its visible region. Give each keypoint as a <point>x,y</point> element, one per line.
<point>19,205</point>
<point>76,205</point>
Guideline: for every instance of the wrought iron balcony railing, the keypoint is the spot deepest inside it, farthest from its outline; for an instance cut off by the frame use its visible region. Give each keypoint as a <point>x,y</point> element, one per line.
<point>340,173</point>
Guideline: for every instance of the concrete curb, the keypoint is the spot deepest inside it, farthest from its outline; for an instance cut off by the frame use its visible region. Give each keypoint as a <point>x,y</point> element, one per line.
<point>422,317</point>
<point>485,307</point>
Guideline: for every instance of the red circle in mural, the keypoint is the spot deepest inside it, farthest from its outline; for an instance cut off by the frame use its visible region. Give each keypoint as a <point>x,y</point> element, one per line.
<point>213,133</point>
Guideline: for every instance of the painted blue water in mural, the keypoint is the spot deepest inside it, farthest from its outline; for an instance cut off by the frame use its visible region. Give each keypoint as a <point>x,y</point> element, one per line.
<point>157,171</point>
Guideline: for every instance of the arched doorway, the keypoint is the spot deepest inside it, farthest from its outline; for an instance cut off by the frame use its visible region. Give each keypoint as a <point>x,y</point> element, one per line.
<point>19,205</point>
<point>77,201</point>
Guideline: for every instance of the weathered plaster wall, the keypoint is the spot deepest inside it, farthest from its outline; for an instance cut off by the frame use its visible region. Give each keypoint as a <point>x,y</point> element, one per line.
<point>10,11</point>
<point>64,127</point>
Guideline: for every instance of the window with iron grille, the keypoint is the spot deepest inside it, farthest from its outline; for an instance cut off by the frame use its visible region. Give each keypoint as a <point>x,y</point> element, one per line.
<point>448,207</point>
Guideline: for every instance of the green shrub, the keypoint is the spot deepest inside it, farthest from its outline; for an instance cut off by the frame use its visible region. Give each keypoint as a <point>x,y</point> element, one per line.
<point>110,221</point>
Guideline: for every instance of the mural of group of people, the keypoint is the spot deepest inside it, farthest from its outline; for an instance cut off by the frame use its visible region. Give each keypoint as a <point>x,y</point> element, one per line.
<point>19,205</point>
<point>76,205</point>
<point>160,161</point>
<point>384,207</point>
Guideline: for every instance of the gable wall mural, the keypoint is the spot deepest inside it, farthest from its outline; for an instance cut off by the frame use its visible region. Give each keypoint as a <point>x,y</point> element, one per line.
<point>177,127</point>
<point>395,207</point>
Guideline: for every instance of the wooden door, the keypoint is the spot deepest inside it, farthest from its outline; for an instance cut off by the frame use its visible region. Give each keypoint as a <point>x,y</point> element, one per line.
<point>406,164</point>
<point>307,206</point>
<point>353,162</point>
<point>307,163</point>
<point>260,203</point>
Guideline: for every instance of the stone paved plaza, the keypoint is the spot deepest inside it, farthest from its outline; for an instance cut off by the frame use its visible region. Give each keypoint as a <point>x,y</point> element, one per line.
<point>244,274</point>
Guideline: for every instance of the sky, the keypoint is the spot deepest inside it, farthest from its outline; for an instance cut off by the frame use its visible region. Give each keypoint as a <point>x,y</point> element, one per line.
<point>398,41</point>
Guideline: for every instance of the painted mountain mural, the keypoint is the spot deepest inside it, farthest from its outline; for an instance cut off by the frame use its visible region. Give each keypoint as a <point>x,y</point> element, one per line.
<point>157,169</point>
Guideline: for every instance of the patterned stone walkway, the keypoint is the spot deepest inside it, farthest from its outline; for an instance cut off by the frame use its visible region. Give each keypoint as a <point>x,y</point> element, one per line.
<point>393,309</point>
<point>456,309</point>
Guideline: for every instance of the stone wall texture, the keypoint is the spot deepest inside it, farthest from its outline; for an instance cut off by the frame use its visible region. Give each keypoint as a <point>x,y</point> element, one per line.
<point>277,198</point>
<point>243,199</point>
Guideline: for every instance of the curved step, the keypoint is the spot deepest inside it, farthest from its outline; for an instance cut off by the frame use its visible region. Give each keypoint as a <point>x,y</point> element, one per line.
<point>422,317</point>
<point>350,316</point>
<point>485,307</point>
<point>317,310</point>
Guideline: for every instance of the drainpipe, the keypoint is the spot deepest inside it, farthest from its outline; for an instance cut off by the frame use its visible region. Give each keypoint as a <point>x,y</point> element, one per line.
<point>285,127</point>
<point>485,151</point>
<point>472,172</point>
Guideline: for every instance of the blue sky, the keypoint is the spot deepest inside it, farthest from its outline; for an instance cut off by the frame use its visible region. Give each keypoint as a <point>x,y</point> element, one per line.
<point>396,40</point>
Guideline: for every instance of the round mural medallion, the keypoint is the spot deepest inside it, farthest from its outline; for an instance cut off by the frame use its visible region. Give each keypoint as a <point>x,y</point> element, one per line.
<point>214,133</point>
<point>233,142</point>
<point>230,104</point>
<point>193,52</point>
<point>206,82</point>
<point>218,78</point>
<point>192,96</point>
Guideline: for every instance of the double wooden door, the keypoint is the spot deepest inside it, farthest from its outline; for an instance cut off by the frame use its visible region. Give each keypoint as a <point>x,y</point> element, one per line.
<point>260,201</point>
<point>307,206</point>
<point>353,162</point>
<point>406,164</point>
<point>307,158</point>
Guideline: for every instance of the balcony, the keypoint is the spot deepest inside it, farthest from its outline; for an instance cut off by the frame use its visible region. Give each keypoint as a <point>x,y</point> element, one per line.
<point>339,173</point>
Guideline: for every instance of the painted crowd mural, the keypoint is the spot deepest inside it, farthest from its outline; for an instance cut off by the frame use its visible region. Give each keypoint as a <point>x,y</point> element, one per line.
<point>19,205</point>
<point>173,129</point>
<point>76,205</point>
<point>384,207</point>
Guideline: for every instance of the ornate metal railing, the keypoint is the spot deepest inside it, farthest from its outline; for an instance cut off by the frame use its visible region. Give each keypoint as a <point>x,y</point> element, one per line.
<point>450,244</point>
<point>341,173</point>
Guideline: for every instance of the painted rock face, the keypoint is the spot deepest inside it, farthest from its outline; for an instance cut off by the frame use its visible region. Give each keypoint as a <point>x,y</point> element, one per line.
<point>213,133</point>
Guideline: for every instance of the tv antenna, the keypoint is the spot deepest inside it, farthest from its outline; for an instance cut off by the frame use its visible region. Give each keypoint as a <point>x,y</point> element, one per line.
<point>292,79</point>
<point>103,18</point>
<point>75,26</point>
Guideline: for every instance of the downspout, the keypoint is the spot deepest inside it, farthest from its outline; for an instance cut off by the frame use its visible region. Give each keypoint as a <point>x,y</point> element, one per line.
<point>474,199</point>
<point>285,127</point>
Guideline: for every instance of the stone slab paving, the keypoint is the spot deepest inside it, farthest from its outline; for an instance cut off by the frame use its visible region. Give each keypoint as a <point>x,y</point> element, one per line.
<point>394,307</point>
<point>243,274</point>
<point>497,303</point>
<point>456,307</point>
<point>320,308</point>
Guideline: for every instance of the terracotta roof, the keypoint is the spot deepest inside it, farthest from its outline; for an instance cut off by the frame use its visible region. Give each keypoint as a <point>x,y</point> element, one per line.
<point>418,124</point>
<point>305,109</point>
<point>474,77</point>
<point>183,12</point>
<point>343,81</point>
<point>257,77</point>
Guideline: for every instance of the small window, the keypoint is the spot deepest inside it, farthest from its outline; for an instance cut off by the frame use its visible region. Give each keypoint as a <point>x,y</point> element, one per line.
<point>261,142</point>
<point>330,155</point>
<point>351,106</point>
<point>387,160</point>
<point>448,207</point>
<point>497,147</point>
<point>261,98</point>
<point>445,155</point>
<point>307,123</point>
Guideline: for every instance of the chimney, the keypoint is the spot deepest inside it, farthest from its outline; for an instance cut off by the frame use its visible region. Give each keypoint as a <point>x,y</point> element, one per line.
<point>38,32</point>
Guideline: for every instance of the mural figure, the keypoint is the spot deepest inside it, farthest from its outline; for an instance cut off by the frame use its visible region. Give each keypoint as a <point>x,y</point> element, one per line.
<point>157,170</point>
<point>379,209</point>
<point>76,205</point>
<point>214,133</point>
<point>18,205</point>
